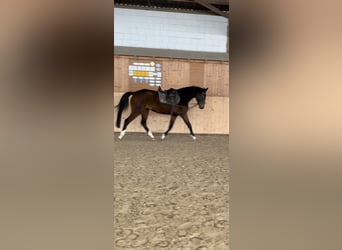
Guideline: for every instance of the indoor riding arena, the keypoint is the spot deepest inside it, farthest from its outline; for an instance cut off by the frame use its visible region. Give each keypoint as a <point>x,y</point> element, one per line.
<point>172,192</point>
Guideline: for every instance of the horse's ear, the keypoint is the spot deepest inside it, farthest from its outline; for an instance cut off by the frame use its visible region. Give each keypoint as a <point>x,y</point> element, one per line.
<point>205,90</point>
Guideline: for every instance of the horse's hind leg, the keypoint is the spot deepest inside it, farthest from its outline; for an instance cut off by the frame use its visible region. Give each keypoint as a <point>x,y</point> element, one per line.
<point>130,118</point>
<point>144,116</point>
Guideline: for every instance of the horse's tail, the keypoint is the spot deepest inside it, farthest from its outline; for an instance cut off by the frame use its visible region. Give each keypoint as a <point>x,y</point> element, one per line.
<point>123,104</point>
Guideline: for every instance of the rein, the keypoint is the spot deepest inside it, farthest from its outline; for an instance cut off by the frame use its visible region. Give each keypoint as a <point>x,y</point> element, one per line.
<point>189,107</point>
<point>193,106</point>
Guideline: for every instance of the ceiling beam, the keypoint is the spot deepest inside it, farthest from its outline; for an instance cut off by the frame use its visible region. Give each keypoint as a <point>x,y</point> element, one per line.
<point>212,8</point>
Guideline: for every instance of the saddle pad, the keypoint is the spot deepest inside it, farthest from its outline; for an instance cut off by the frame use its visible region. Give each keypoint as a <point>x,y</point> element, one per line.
<point>170,97</point>
<point>162,97</point>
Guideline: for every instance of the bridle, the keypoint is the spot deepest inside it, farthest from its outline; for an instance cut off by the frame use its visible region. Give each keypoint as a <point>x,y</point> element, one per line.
<point>202,97</point>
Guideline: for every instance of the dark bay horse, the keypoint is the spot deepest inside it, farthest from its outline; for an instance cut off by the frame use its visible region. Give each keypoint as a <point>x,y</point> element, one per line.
<point>144,100</point>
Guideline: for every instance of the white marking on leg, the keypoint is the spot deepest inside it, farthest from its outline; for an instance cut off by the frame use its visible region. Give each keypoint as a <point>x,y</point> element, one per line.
<point>193,137</point>
<point>150,134</point>
<point>163,136</point>
<point>123,132</point>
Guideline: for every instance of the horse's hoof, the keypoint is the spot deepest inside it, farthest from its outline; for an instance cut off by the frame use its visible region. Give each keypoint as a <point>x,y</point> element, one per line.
<point>193,137</point>
<point>163,137</point>
<point>122,133</point>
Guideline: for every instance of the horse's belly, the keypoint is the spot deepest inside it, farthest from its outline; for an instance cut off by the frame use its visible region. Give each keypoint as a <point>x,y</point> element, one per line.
<point>161,111</point>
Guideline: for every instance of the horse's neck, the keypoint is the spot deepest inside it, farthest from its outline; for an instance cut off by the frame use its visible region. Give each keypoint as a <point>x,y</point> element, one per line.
<point>187,98</point>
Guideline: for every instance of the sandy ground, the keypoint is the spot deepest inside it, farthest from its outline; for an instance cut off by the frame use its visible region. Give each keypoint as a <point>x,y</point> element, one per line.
<point>171,194</point>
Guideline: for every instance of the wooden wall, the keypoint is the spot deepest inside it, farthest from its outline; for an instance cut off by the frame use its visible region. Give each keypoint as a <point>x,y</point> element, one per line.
<point>177,73</point>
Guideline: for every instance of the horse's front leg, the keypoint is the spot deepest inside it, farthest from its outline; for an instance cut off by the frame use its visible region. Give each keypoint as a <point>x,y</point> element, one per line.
<point>172,121</point>
<point>187,122</point>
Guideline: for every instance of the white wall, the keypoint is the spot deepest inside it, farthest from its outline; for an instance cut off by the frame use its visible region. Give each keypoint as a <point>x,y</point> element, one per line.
<point>169,30</point>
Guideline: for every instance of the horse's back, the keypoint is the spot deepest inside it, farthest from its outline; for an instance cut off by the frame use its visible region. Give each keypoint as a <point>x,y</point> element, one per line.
<point>145,93</point>
<point>144,96</point>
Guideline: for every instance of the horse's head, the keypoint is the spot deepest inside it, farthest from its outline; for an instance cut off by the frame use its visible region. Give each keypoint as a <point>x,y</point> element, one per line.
<point>200,98</point>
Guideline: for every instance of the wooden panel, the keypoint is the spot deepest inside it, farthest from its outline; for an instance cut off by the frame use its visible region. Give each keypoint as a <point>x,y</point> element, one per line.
<point>216,78</point>
<point>197,74</point>
<point>121,74</point>
<point>176,73</point>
